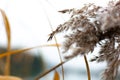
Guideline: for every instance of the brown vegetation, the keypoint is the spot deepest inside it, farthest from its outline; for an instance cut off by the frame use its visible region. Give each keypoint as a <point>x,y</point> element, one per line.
<point>91,26</point>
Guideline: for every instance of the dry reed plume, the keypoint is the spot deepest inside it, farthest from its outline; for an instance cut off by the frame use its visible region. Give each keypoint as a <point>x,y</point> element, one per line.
<point>91,26</point>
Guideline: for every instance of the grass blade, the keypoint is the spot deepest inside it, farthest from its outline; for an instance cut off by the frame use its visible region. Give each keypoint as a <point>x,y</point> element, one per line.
<point>26,49</point>
<point>8,33</point>
<point>13,52</point>
<point>56,76</point>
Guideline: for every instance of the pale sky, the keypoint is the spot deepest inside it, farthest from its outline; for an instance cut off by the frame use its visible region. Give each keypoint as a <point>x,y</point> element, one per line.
<point>28,21</point>
<point>29,24</point>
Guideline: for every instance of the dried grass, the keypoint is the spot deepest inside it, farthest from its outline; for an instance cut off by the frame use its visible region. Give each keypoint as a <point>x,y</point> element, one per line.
<point>90,26</point>
<point>8,33</point>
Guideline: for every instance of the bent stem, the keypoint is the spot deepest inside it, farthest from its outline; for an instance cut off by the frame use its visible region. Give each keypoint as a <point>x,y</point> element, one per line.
<point>87,67</point>
<point>8,33</point>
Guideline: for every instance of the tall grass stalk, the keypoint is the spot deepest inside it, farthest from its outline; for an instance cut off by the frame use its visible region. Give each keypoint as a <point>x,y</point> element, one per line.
<point>8,33</point>
<point>55,40</point>
<point>87,68</point>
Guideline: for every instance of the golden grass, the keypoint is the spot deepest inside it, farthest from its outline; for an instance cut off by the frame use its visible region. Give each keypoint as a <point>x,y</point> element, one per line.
<point>8,33</point>
<point>26,49</point>
<point>9,78</point>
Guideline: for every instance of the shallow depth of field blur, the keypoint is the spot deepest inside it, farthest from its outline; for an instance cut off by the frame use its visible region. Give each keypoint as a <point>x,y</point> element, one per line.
<point>30,23</point>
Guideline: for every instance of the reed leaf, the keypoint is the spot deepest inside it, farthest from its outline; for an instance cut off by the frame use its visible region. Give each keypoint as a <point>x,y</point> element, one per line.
<point>26,49</point>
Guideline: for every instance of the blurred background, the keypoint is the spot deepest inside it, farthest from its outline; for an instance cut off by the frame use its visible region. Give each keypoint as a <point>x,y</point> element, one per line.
<point>30,22</point>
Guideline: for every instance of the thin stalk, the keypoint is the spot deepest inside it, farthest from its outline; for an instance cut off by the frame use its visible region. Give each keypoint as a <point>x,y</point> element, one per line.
<point>87,67</point>
<point>48,71</point>
<point>55,41</point>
